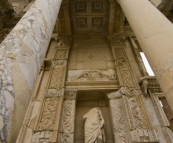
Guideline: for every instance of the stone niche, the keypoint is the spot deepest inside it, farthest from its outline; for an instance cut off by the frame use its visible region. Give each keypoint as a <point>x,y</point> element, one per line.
<point>86,100</point>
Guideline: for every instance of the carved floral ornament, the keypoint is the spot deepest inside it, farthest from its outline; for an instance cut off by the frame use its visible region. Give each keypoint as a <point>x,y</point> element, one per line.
<point>126,91</point>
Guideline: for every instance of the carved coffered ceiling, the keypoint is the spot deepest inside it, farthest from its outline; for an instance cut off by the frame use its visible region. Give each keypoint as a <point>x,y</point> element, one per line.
<point>90,17</point>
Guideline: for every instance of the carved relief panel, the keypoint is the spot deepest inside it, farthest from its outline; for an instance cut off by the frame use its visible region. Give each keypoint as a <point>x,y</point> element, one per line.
<point>136,123</point>
<point>129,117</point>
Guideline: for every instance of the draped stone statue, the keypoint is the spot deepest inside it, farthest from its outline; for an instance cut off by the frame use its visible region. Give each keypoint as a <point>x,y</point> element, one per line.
<point>94,126</point>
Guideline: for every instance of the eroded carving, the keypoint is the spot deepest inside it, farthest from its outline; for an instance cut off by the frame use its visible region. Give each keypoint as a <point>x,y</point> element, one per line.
<point>61,54</point>
<point>94,126</point>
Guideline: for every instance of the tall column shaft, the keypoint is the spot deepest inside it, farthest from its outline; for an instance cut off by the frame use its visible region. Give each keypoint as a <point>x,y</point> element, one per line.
<point>21,55</point>
<point>155,35</point>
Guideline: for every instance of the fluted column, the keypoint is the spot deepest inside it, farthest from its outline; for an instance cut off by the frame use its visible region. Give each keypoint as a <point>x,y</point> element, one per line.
<point>155,35</point>
<point>21,55</point>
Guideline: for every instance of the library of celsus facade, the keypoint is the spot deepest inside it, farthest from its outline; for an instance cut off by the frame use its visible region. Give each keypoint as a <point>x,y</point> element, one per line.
<point>71,71</point>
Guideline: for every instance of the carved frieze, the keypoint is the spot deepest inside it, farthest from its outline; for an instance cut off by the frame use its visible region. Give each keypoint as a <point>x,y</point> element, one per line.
<point>48,114</point>
<point>91,75</point>
<point>61,54</point>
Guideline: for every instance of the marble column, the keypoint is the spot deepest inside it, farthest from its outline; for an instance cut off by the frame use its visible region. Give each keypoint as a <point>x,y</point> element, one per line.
<point>22,53</point>
<point>155,35</point>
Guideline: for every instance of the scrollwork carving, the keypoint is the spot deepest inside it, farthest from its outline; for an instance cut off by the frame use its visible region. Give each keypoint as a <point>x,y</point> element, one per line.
<point>66,134</point>
<point>48,115</point>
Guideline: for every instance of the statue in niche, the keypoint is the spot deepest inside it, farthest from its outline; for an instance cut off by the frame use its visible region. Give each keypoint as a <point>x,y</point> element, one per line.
<point>94,126</point>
